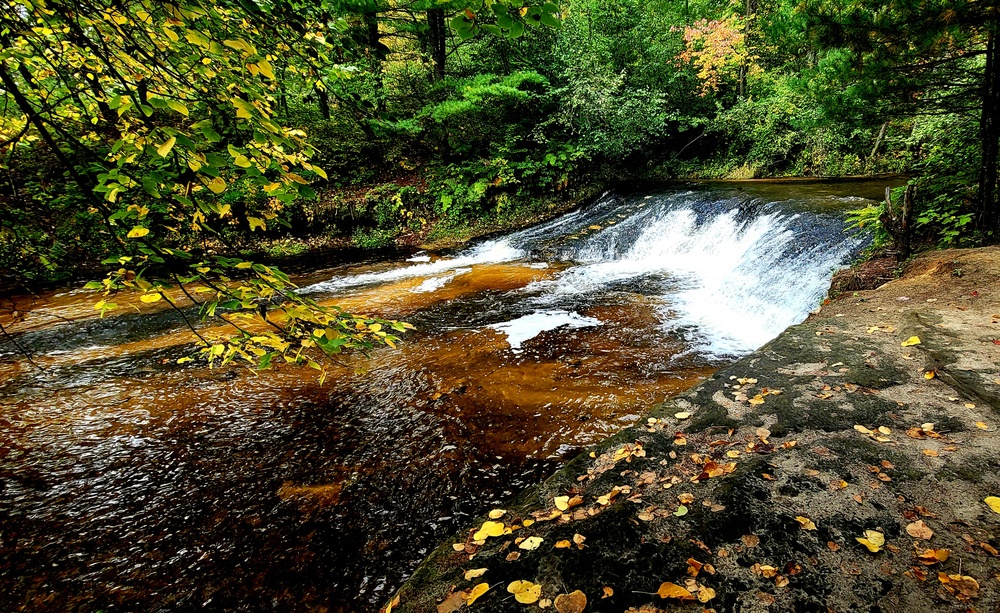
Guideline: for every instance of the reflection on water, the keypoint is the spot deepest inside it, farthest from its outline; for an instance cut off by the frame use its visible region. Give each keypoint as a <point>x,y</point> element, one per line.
<point>130,483</point>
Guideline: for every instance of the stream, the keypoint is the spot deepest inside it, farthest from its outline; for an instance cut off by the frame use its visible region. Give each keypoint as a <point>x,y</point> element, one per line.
<point>130,483</point>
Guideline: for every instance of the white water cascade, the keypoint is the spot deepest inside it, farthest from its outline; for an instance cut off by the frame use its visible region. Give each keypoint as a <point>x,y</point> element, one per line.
<point>729,273</point>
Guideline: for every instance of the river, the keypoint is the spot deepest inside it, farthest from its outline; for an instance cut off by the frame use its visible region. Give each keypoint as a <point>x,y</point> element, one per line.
<point>130,483</point>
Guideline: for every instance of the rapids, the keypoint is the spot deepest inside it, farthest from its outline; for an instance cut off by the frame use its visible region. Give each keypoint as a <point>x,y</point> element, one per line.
<point>128,482</point>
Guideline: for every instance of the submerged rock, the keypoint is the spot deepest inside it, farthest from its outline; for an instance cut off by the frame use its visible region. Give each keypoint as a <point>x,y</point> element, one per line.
<point>842,467</point>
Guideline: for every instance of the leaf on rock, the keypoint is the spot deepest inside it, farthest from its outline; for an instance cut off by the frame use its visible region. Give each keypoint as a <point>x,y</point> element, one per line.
<point>993,502</point>
<point>564,544</point>
<point>910,342</point>
<point>963,587</point>
<point>672,590</point>
<point>531,543</point>
<point>476,592</point>
<point>525,592</point>
<point>805,522</point>
<point>574,602</point>
<point>497,513</point>
<point>475,572</point>
<point>933,556</point>
<point>562,502</point>
<point>873,540</point>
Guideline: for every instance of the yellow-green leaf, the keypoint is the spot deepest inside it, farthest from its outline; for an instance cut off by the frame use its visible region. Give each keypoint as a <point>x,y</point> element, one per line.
<point>150,297</point>
<point>265,69</point>
<point>138,232</point>
<point>178,106</point>
<point>913,340</point>
<point>217,185</point>
<point>256,222</point>
<point>165,148</point>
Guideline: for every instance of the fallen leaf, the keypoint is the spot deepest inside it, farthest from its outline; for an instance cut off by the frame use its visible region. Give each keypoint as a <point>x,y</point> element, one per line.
<point>705,594</point>
<point>970,405</point>
<point>458,546</point>
<point>472,574</point>
<point>805,522</point>
<point>452,602</point>
<point>982,425</point>
<point>765,570</point>
<point>574,602</point>
<point>990,549</point>
<point>993,502</point>
<point>763,433</point>
<point>562,502</point>
<point>933,556</point>
<point>872,540</point>
<point>750,540</point>
<point>476,592</point>
<point>672,590</point>
<point>490,528</point>
<point>913,340</point>
<point>530,543</point>
<point>497,513</point>
<point>694,567</point>
<point>963,587</point>
<point>833,546</point>
<point>564,544</point>
<point>884,430</point>
<point>544,603</point>
<point>513,556</point>
<point>525,592</point>
<point>781,581</point>
<point>681,511</point>
<point>608,592</point>
<point>931,453</point>
<point>685,498</point>
<point>682,415</point>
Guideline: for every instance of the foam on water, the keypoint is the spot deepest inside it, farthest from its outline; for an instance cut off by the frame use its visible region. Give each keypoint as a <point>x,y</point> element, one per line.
<point>529,326</point>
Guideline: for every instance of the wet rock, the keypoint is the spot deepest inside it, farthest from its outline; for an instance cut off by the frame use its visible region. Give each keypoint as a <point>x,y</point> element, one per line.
<point>833,432</point>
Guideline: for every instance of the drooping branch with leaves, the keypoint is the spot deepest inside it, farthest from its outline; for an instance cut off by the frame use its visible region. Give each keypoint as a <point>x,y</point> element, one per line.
<point>154,110</point>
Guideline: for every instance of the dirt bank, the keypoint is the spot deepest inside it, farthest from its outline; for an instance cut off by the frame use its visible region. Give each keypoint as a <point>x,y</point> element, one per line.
<point>876,419</point>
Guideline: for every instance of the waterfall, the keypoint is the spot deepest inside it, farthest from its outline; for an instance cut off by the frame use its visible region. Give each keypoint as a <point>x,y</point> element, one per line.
<point>729,272</point>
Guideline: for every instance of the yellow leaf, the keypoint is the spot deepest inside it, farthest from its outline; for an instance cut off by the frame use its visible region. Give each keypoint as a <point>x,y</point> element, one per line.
<point>531,543</point>
<point>682,415</point>
<point>165,148</point>
<point>150,297</point>
<point>873,540</point>
<point>672,590</point>
<point>475,572</point>
<point>805,522</point>
<point>217,185</point>
<point>497,513</point>
<point>265,69</point>
<point>929,374</point>
<point>490,528</point>
<point>913,340</point>
<point>525,592</point>
<point>705,594</point>
<point>256,222</point>
<point>982,425</point>
<point>562,502</point>
<point>564,544</point>
<point>138,232</point>
<point>476,592</point>
<point>993,502</point>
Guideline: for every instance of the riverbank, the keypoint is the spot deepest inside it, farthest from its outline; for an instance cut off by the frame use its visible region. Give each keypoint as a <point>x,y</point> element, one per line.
<point>876,419</point>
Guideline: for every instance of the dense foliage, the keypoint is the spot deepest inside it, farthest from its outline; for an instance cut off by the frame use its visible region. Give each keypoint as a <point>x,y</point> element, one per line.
<point>173,141</point>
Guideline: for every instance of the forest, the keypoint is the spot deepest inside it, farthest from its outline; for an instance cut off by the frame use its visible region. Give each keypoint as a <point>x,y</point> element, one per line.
<point>188,144</point>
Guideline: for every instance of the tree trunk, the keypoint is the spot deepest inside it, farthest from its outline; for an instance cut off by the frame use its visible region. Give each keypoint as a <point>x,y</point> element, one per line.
<point>987,215</point>
<point>438,37</point>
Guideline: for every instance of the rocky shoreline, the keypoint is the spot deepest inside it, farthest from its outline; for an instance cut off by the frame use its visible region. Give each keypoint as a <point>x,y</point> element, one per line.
<point>841,467</point>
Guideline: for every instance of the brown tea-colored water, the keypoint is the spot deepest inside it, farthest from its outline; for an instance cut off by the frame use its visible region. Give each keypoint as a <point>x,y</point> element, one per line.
<point>130,483</point>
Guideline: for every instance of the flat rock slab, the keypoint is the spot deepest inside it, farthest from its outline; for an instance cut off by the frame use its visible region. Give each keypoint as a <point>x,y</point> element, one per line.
<point>751,492</point>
